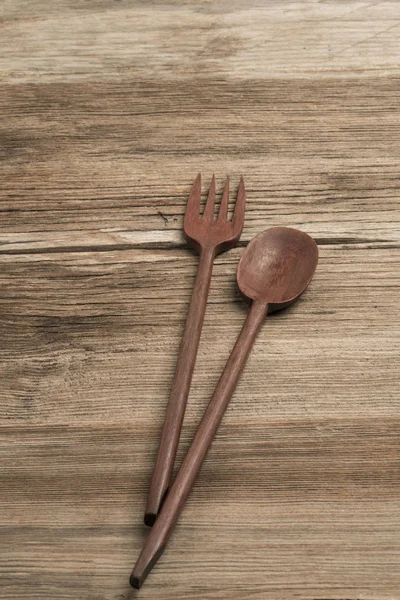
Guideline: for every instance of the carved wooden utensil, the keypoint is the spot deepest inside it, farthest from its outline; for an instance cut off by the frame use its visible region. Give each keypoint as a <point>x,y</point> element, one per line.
<point>208,237</point>
<point>274,270</point>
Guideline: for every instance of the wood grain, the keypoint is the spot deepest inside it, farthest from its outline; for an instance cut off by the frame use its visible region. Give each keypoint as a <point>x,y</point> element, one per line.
<point>109,109</point>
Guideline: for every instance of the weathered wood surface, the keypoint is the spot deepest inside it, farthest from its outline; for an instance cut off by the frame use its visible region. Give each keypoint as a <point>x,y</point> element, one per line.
<point>109,109</point>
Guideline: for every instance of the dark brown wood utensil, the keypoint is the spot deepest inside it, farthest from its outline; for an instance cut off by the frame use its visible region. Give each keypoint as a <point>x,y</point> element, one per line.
<point>208,237</point>
<point>274,270</point>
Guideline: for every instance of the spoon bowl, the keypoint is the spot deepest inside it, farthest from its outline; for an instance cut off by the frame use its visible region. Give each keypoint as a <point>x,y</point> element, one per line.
<point>277,266</point>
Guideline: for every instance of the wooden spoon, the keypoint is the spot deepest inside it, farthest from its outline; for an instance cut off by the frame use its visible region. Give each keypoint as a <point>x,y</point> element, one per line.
<point>275,269</point>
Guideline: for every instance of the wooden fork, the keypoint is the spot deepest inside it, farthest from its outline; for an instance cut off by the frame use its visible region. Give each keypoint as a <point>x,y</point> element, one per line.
<point>208,237</point>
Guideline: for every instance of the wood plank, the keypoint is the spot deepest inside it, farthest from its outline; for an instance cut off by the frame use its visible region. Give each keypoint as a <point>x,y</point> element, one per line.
<point>75,495</point>
<point>111,41</point>
<point>109,109</point>
<point>80,329</point>
<point>101,165</point>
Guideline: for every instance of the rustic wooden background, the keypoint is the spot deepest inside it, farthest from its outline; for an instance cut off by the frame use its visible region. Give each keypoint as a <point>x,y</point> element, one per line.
<point>108,111</point>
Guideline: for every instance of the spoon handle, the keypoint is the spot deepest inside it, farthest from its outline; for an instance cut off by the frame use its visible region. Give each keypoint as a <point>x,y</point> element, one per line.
<point>180,387</point>
<point>205,433</point>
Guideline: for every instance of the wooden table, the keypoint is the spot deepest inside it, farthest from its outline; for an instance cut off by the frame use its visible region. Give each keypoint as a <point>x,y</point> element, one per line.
<point>109,110</point>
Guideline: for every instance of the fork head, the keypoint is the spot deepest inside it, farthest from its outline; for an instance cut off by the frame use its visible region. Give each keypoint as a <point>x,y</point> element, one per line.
<point>203,231</point>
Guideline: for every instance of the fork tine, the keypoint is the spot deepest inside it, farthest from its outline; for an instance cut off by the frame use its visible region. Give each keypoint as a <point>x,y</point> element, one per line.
<point>193,204</point>
<point>223,209</point>
<point>238,215</point>
<point>209,209</point>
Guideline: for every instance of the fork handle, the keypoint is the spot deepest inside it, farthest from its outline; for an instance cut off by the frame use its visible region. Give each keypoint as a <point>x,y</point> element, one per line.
<point>180,387</point>
<point>205,433</point>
